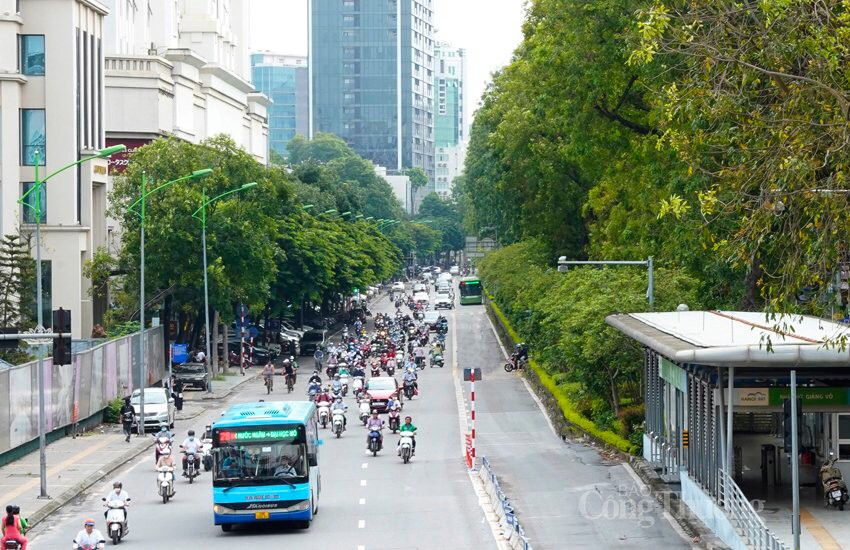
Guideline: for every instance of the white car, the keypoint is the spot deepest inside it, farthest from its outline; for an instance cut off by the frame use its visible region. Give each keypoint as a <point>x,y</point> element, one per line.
<point>444,277</point>
<point>443,300</point>
<point>454,270</point>
<point>398,286</point>
<point>419,287</point>
<point>159,407</point>
<point>421,298</point>
<point>437,271</point>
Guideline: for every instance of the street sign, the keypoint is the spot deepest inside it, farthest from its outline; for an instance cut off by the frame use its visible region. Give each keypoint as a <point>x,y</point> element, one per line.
<point>242,322</point>
<point>467,375</point>
<point>253,332</point>
<point>179,353</point>
<point>241,310</point>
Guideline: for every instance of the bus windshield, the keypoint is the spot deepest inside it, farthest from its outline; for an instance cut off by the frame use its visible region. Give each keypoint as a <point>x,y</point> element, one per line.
<point>470,288</point>
<point>259,456</point>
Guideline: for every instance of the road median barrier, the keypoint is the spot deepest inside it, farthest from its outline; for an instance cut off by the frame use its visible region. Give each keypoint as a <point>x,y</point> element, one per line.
<point>512,530</point>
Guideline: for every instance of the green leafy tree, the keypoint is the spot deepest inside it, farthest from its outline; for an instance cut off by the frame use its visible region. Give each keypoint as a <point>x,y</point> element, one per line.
<point>17,280</point>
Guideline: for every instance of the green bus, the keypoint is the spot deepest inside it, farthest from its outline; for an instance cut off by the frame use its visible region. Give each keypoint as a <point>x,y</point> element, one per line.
<point>470,290</point>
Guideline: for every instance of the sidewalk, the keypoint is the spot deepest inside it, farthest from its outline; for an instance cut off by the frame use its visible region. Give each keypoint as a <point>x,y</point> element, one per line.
<point>75,464</point>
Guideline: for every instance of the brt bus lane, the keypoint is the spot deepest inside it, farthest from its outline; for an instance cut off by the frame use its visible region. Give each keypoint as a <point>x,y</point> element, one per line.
<point>365,502</point>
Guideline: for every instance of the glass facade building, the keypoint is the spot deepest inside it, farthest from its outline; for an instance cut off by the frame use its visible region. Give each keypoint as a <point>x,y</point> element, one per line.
<point>284,79</point>
<point>450,129</point>
<point>372,78</point>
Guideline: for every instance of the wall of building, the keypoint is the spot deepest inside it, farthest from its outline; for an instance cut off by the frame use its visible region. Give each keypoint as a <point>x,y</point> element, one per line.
<point>283,78</point>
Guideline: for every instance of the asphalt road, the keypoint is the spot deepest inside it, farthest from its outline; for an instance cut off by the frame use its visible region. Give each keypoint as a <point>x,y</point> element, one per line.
<point>366,502</point>
<point>566,494</point>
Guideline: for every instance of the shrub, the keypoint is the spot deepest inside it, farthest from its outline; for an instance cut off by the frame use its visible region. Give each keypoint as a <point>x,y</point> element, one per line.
<point>632,419</point>
<point>112,412</point>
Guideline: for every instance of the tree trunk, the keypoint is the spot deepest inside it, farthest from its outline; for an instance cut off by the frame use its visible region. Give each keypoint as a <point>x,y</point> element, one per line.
<point>225,337</point>
<point>181,327</point>
<point>166,321</point>
<point>615,393</point>
<point>196,331</point>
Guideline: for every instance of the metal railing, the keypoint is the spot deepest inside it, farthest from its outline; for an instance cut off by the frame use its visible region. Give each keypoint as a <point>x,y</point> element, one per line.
<point>746,521</point>
<point>664,456</point>
<point>511,528</point>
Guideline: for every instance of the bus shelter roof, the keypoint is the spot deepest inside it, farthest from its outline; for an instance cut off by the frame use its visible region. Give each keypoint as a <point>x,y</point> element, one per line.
<point>739,338</point>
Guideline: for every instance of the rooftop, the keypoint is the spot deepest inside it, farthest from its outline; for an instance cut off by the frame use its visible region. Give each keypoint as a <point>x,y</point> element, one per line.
<point>738,338</point>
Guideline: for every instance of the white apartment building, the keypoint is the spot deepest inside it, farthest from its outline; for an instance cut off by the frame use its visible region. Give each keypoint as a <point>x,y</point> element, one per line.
<point>400,185</point>
<point>451,128</point>
<point>181,68</point>
<point>449,162</point>
<point>51,101</point>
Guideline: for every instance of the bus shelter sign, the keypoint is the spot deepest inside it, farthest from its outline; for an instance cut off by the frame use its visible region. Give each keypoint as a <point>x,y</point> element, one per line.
<point>775,397</point>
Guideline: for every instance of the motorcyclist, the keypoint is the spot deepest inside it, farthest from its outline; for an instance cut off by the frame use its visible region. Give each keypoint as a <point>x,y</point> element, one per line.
<point>289,369</point>
<point>520,354</point>
<point>324,397</point>
<point>315,378</point>
<point>89,537</point>
<point>13,527</point>
<point>408,429</point>
<point>343,371</point>
<point>337,406</point>
<point>128,416</point>
<point>207,432</point>
<point>268,374</point>
<point>120,495</point>
<point>411,376</point>
<point>336,385</point>
<point>375,423</point>
<point>357,371</point>
<point>191,446</point>
<point>164,432</point>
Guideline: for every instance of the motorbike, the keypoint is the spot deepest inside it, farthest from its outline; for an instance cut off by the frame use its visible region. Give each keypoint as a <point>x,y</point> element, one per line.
<point>515,364</point>
<point>376,370</point>
<point>206,454</point>
<point>312,392</point>
<point>358,385</point>
<point>834,488</point>
<point>269,382</point>
<point>165,478</point>
<point>420,362</point>
<point>374,442</point>
<point>405,446</point>
<point>343,378</point>
<point>330,371</point>
<point>437,360</point>
<point>390,370</point>
<point>13,545</point>
<point>98,546</point>
<point>365,408</point>
<point>409,389</point>
<point>290,382</point>
<point>395,420</point>
<point>191,467</point>
<point>324,414</point>
<point>116,520</point>
<point>338,422</point>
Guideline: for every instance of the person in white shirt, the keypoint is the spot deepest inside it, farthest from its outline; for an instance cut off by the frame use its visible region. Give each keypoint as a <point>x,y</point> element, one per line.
<point>118,494</point>
<point>191,446</point>
<point>89,537</point>
<point>200,357</point>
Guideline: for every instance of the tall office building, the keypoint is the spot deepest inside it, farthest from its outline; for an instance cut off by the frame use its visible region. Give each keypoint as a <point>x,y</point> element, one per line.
<point>450,126</point>
<point>283,78</point>
<point>372,78</point>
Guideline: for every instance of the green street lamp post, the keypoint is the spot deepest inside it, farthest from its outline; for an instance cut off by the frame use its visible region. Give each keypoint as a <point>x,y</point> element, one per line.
<point>346,213</point>
<point>202,210</point>
<point>141,202</point>
<point>36,188</point>
<point>358,216</point>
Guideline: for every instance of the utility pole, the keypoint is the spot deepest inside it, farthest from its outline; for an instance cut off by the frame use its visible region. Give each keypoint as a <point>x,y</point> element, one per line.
<point>563,267</point>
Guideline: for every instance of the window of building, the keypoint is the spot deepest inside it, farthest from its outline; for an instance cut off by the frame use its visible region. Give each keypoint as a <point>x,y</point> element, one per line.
<point>32,54</point>
<point>844,437</point>
<point>28,209</point>
<point>33,136</point>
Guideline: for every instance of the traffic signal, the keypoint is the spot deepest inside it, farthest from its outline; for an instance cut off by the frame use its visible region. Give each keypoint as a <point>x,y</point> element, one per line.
<point>62,344</point>
<point>786,423</point>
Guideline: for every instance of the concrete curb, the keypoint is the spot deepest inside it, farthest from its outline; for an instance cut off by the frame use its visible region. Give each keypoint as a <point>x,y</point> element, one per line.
<point>107,469</point>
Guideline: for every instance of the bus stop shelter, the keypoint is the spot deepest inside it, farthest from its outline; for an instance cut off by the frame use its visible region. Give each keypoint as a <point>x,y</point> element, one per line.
<point>714,387</point>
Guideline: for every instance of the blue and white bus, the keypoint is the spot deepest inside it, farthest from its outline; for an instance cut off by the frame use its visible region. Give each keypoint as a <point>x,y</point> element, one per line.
<point>266,465</point>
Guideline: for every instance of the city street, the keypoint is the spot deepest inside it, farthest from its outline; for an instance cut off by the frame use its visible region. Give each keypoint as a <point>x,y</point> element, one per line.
<point>381,503</point>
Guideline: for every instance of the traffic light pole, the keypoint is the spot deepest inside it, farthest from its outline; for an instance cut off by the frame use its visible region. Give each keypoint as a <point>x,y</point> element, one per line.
<point>42,421</point>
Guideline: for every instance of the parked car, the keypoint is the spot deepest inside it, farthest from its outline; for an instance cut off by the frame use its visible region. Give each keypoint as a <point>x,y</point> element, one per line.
<point>454,270</point>
<point>380,389</point>
<point>193,375</point>
<point>159,407</point>
<point>443,301</point>
<point>312,339</point>
<point>430,319</point>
